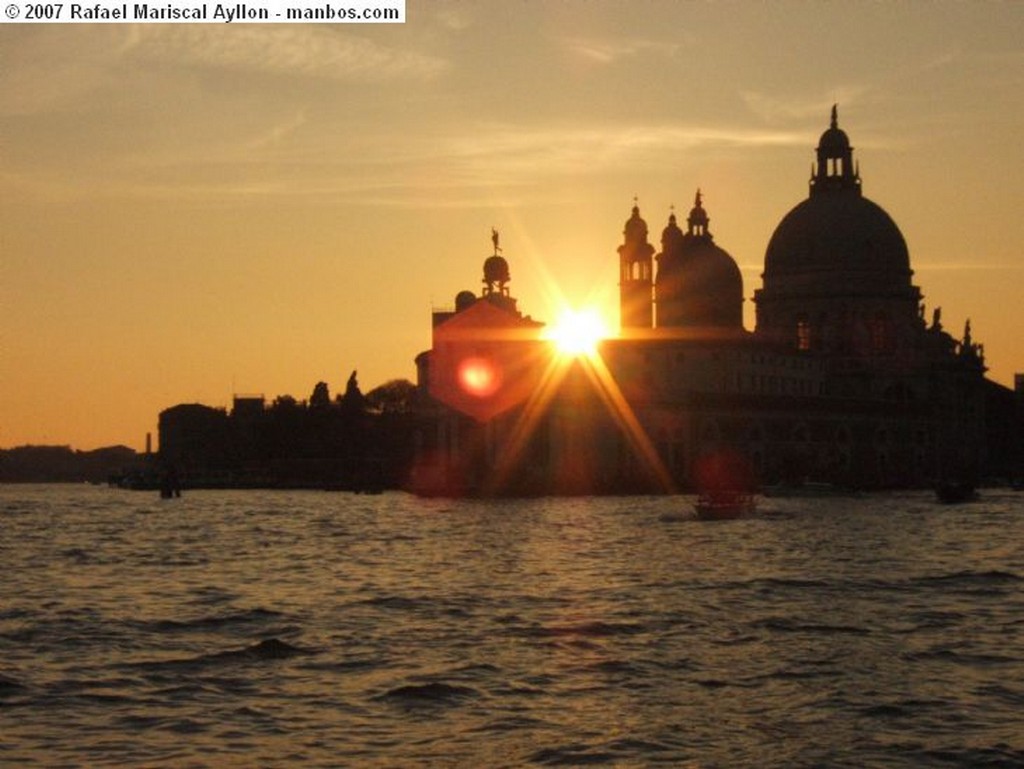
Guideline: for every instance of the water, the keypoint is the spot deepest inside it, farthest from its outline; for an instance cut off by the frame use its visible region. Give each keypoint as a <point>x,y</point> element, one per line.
<point>274,629</point>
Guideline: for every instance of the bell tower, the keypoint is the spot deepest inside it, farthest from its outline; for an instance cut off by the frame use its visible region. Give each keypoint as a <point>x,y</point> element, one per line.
<point>636,275</point>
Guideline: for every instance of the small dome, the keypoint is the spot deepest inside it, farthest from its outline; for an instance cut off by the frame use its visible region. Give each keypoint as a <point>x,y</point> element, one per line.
<point>834,142</point>
<point>496,270</point>
<point>464,300</point>
<point>671,236</point>
<point>698,219</point>
<point>636,227</point>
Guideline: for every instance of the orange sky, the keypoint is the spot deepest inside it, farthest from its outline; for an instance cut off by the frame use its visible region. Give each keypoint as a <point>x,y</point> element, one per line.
<point>192,211</point>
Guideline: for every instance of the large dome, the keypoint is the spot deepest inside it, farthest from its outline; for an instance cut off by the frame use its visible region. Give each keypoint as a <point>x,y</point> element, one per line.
<point>837,239</point>
<point>836,270</point>
<point>835,234</point>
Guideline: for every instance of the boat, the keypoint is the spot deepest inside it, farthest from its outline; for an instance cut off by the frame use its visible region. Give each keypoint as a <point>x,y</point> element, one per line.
<point>724,505</point>
<point>955,492</point>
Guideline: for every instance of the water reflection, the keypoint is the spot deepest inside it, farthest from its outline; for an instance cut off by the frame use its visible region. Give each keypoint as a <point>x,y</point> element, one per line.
<point>318,629</point>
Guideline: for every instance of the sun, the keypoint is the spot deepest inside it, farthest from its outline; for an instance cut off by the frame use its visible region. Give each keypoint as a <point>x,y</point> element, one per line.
<point>578,332</point>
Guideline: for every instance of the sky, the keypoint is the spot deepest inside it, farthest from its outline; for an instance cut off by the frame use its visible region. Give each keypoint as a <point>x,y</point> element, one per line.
<point>188,212</point>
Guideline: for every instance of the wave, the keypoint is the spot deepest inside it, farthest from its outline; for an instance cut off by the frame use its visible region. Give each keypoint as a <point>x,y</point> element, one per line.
<point>572,755</point>
<point>720,683</point>
<point>990,577</point>
<point>612,752</point>
<point>788,625</point>
<point>267,650</point>
<point>395,602</point>
<point>211,622</point>
<point>595,629</point>
<point>616,667</point>
<point>1000,756</point>
<point>432,693</point>
<point>783,583</point>
<point>959,658</point>
<point>509,723</point>
<point>10,687</point>
<point>78,555</point>
<point>907,708</point>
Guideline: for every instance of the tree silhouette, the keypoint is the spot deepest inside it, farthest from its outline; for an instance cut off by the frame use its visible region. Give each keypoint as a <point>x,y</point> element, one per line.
<point>321,397</point>
<point>396,396</point>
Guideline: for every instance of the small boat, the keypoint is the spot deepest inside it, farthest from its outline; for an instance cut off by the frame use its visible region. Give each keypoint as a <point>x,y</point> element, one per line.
<point>723,505</point>
<point>955,492</point>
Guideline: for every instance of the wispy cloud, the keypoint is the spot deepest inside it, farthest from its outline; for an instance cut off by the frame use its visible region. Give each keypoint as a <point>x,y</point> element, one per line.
<point>454,17</point>
<point>589,149</point>
<point>611,50</point>
<point>776,108</point>
<point>292,157</point>
<point>53,67</point>
<point>276,134</point>
<point>61,68</point>
<point>304,50</point>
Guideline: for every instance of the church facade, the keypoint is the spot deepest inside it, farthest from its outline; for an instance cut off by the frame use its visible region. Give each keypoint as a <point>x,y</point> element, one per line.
<point>843,380</point>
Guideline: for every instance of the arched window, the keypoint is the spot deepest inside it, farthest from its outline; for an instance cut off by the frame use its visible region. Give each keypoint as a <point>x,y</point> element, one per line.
<point>881,333</point>
<point>803,333</point>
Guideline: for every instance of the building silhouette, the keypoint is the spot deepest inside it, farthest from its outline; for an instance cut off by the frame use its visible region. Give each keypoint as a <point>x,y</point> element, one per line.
<point>353,442</point>
<point>843,379</point>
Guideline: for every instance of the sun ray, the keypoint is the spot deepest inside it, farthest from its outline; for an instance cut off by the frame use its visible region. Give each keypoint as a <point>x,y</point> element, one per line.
<point>533,411</point>
<point>600,378</point>
<point>627,420</point>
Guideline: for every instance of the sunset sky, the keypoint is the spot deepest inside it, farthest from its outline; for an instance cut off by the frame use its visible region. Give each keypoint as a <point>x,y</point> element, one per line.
<point>192,211</point>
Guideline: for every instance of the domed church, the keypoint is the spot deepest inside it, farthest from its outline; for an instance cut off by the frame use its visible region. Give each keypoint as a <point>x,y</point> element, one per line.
<point>842,380</point>
<point>837,275</point>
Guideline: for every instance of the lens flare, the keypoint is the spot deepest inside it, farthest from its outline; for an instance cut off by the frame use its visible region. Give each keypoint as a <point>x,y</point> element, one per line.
<point>478,377</point>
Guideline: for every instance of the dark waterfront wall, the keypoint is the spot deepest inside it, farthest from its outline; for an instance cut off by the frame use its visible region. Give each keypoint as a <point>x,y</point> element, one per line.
<point>579,444</point>
<point>356,442</point>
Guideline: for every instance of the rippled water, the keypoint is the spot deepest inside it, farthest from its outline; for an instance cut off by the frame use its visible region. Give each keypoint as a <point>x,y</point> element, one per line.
<point>238,629</point>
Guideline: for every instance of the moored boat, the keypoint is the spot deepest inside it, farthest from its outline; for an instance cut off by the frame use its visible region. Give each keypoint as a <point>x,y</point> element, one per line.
<point>955,492</point>
<point>724,505</point>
